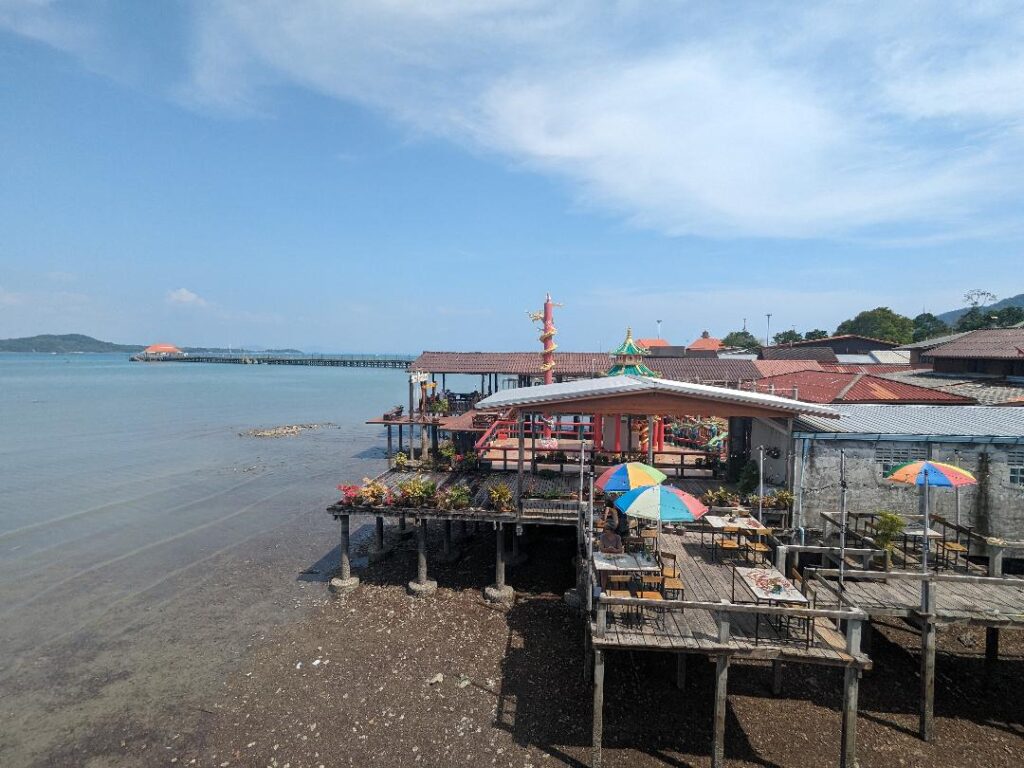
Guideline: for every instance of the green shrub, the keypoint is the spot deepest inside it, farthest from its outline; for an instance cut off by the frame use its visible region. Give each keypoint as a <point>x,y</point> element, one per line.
<point>888,528</point>
<point>416,492</point>
<point>749,478</point>
<point>501,497</point>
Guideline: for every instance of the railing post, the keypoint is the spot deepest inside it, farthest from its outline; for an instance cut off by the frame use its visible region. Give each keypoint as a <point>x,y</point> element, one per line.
<point>995,559</point>
<point>601,622</point>
<point>781,553</point>
<point>721,693</point>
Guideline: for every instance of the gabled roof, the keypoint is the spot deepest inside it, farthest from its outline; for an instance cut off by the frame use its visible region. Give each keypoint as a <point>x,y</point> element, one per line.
<point>882,343</point>
<point>937,341</point>
<point>584,394</point>
<point>992,344</point>
<point>651,343</point>
<point>629,347</point>
<point>775,367</point>
<point>986,391</point>
<point>835,387</point>
<point>879,421</point>
<point>821,354</point>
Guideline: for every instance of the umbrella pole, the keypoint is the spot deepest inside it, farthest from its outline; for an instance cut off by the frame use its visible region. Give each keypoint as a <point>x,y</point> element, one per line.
<point>842,519</point>
<point>956,493</point>
<point>924,536</point>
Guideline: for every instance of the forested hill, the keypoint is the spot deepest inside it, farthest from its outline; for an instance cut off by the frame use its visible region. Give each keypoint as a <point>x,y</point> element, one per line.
<point>950,318</point>
<point>64,343</point>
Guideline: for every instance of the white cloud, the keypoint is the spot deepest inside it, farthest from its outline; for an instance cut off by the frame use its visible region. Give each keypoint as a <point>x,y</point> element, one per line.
<point>185,297</point>
<point>751,119</point>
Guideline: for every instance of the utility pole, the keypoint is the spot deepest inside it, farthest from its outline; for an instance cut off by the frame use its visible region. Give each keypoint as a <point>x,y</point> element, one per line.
<point>768,329</point>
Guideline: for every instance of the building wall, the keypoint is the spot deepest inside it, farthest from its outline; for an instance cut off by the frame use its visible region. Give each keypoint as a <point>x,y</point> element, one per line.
<point>774,442</point>
<point>991,367</point>
<point>995,507</point>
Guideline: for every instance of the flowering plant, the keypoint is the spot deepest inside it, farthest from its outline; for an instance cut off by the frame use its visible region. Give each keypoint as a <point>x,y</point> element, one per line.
<point>374,493</point>
<point>349,494</point>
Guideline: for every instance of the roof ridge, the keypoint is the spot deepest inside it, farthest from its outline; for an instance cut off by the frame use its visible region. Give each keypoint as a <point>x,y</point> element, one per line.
<point>853,382</point>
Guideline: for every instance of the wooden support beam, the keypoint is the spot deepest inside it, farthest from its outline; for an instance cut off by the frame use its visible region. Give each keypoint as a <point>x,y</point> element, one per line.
<point>390,453</point>
<point>721,701</point>
<point>499,557</point>
<point>379,533</point>
<point>598,724</point>
<point>851,686</point>
<point>776,677</point>
<point>421,552</point>
<point>991,645</point>
<point>927,721</point>
<point>680,671</point>
<point>447,539</point>
<point>345,561</point>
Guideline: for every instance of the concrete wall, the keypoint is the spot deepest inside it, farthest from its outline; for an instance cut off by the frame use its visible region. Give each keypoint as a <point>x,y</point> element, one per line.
<point>994,507</point>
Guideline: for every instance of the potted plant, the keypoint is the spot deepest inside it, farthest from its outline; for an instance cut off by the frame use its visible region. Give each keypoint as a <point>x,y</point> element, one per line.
<point>416,492</point>
<point>453,497</point>
<point>889,527</point>
<point>349,495</point>
<point>501,498</point>
<point>374,493</point>
<point>782,499</point>
<point>401,460</point>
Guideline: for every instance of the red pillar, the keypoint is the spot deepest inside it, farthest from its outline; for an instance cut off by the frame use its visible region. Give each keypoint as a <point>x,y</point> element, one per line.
<point>598,433</point>
<point>618,433</point>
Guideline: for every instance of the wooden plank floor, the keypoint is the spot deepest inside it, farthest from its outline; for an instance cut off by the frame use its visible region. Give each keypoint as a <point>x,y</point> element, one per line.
<point>955,602</point>
<point>695,631</point>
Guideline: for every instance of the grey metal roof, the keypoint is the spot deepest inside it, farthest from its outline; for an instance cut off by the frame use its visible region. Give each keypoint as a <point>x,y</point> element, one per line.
<point>983,390</point>
<point>891,356</point>
<point>547,394</point>
<point>933,342</point>
<point>951,420</point>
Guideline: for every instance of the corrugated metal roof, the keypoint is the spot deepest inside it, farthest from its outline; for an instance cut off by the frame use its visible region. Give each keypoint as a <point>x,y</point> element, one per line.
<point>850,359</point>
<point>840,387</point>
<point>821,354</point>
<point>777,367</point>
<point>985,391</point>
<point>829,340</point>
<point>616,385</point>
<point>891,356</point>
<point>993,344</point>
<point>935,342</point>
<point>945,420</point>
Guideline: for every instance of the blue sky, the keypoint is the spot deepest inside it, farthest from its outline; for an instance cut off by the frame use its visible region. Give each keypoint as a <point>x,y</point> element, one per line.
<point>382,176</point>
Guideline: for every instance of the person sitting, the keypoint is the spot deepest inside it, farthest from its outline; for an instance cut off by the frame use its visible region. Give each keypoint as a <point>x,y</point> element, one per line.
<point>610,542</point>
<point>618,523</point>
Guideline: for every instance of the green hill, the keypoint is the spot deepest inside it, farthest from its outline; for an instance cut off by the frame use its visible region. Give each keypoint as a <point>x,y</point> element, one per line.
<point>953,315</point>
<point>64,343</point>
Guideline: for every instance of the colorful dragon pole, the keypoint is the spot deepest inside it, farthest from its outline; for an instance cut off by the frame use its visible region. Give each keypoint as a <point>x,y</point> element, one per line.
<point>547,338</point>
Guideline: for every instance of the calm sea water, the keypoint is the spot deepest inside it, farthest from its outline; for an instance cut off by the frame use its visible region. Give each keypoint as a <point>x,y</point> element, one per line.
<point>144,540</point>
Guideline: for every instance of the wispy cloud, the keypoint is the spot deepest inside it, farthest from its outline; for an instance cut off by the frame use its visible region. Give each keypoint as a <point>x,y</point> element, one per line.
<point>902,124</point>
<point>185,298</point>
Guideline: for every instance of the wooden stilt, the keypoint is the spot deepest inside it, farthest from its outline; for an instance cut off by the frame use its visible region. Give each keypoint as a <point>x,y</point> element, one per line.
<point>390,454</point>
<point>399,437</point>
<point>721,698</point>
<point>851,687</point>
<point>598,728</point>
<point>379,533</point>
<point>421,552</point>
<point>991,645</point>
<point>447,539</point>
<point>776,678</point>
<point>499,557</point>
<point>345,562</point>
<point>927,725</point>
<point>680,671</point>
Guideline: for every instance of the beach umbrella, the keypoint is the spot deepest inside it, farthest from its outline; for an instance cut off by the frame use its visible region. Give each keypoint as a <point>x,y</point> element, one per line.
<point>926,474</point>
<point>626,477</point>
<point>663,503</point>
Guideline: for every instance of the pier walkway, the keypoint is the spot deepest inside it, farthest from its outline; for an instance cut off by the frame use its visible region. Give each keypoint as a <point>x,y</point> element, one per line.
<point>397,362</point>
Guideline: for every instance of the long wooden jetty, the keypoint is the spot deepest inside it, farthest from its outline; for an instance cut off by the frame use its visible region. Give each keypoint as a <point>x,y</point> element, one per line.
<point>400,362</point>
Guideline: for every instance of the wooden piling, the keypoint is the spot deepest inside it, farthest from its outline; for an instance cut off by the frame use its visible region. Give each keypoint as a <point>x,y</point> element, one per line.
<point>598,726</point>
<point>680,671</point>
<point>345,561</point>
<point>379,533</point>
<point>991,645</point>
<point>851,687</point>
<point>721,694</point>
<point>499,557</point>
<point>421,552</point>
<point>447,539</point>
<point>776,678</point>
<point>927,724</point>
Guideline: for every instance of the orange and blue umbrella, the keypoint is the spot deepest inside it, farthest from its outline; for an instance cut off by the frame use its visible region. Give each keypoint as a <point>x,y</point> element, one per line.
<point>626,477</point>
<point>931,473</point>
<point>661,502</point>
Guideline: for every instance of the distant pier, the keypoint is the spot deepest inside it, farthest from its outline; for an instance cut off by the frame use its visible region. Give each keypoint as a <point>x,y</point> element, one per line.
<point>398,362</point>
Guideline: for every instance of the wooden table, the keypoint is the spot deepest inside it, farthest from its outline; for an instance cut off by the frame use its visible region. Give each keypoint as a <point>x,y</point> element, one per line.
<point>718,523</point>
<point>630,562</point>
<point>770,587</point>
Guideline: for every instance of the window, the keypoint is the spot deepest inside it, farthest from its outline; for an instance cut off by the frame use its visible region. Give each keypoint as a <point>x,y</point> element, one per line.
<point>1016,461</point>
<point>890,455</point>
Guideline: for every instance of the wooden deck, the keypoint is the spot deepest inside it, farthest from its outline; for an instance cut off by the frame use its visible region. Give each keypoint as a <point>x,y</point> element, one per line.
<point>977,600</point>
<point>697,631</point>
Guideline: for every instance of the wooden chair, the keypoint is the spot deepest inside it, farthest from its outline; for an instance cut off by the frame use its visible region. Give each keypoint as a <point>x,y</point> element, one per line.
<point>659,613</point>
<point>619,581</point>
<point>613,610</point>
<point>669,569</point>
<point>648,583</point>
<point>754,546</point>
<point>649,538</point>
<point>673,589</point>
<point>951,548</point>
<point>729,541</point>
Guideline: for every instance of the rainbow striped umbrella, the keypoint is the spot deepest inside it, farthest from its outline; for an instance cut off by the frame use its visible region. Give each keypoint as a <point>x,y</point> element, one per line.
<point>931,473</point>
<point>661,502</point>
<point>626,477</point>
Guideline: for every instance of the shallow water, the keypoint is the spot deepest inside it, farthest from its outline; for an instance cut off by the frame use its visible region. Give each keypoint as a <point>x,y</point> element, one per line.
<point>144,541</point>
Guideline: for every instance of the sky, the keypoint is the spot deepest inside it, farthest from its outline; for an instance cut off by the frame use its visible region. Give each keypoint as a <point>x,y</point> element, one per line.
<point>391,176</point>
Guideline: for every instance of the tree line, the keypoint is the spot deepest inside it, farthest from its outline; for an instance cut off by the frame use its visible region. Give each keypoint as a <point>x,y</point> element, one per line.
<point>883,323</point>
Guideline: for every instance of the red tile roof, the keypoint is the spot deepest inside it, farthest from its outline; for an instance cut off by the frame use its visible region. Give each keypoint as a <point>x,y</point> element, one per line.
<point>874,368</point>
<point>993,344</point>
<point>649,343</point>
<point>835,387</point>
<point>512,363</point>
<point>706,341</point>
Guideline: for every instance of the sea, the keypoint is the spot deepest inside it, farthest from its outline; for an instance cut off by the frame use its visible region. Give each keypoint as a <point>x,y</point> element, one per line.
<point>148,540</point>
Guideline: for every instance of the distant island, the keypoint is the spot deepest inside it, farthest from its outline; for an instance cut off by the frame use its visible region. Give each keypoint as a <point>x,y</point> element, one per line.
<point>68,343</point>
